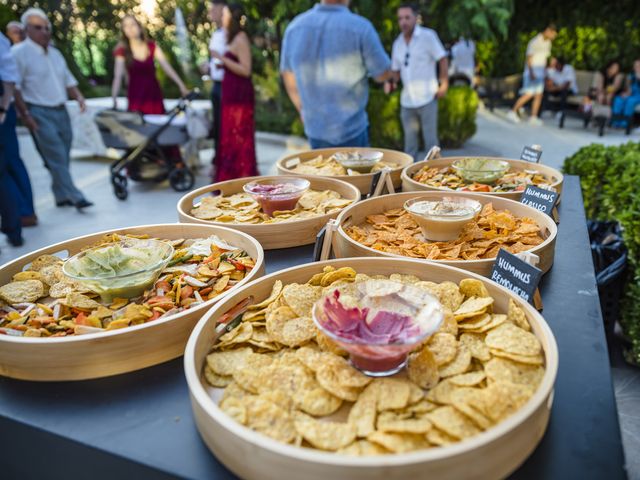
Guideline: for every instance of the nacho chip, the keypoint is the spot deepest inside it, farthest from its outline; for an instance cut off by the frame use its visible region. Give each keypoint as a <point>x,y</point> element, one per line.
<point>403,423</point>
<point>324,435</point>
<point>363,413</point>
<point>470,287</point>
<point>512,339</point>
<point>516,315</point>
<point>269,419</point>
<point>472,306</point>
<point>505,370</point>
<point>444,347</point>
<point>393,393</point>
<point>23,291</point>
<point>399,442</point>
<point>474,343</point>
<point>362,448</point>
<point>422,368</point>
<point>216,380</point>
<point>452,422</point>
<point>460,364</point>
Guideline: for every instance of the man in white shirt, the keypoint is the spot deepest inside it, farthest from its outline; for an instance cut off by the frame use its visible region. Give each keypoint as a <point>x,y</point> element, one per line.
<point>46,84</point>
<point>420,61</point>
<point>463,59</point>
<point>217,44</point>
<point>560,82</point>
<point>538,51</point>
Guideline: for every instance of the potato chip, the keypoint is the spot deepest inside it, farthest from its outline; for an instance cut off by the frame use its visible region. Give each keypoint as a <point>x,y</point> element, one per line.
<point>233,390</point>
<point>363,412</point>
<point>399,422</point>
<point>310,356</point>
<point>512,339</point>
<point>460,364</point>
<point>23,291</point>
<point>422,368</point>
<point>516,315</point>
<point>423,406</point>
<point>269,419</point>
<point>393,393</point>
<point>472,306</point>
<point>362,448</point>
<point>444,347</point>
<point>242,333</point>
<point>475,323</point>
<point>452,422</point>
<point>324,435</point>
<point>469,379</point>
<point>225,363</point>
<point>504,370</point>
<point>470,287</point>
<point>474,343</point>
<point>216,380</point>
<point>399,442</point>
<point>416,394</point>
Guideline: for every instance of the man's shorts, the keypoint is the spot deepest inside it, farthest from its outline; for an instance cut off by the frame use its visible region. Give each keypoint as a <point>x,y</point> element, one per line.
<point>536,86</point>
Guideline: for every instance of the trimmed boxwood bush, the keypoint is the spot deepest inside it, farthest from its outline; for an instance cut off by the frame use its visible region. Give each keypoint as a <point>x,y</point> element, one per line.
<point>610,177</point>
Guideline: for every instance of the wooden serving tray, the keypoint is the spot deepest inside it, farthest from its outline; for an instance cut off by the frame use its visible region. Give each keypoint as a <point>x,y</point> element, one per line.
<point>103,354</point>
<point>361,182</point>
<point>292,233</point>
<point>345,246</point>
<point>492,454</point>
<point>410,185</point>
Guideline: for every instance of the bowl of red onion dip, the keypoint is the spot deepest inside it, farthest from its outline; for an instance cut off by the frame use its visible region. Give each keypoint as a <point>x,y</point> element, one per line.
<point>378,322</point>
<point>277,194</point>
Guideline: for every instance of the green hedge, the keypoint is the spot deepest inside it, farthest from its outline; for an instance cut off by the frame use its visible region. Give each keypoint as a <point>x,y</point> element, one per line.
<point>610,177</point>
<point>456,118</point>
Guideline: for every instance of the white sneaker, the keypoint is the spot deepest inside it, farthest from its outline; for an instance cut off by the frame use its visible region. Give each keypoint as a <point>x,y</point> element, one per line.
<point>535,122</point>
<point>513,116</point>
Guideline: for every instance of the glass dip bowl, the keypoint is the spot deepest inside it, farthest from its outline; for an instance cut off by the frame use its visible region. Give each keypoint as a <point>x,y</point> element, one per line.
<point>378,322</point>
<point>480,170</point>
<point>123,269</point>
<point>277,194</point>
<point>361,162</point>
<point>442,220</point>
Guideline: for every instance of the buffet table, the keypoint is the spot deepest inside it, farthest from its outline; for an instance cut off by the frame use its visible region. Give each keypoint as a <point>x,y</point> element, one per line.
<point>140,425</point>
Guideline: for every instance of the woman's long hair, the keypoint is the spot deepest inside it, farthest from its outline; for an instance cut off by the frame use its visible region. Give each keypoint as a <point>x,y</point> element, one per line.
<point>237,21</point>
<point>124,40</point>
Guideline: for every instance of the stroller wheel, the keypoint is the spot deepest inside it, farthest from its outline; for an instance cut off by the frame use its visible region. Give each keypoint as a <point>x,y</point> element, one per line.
<point>119,183</point>
<point>181,179</point>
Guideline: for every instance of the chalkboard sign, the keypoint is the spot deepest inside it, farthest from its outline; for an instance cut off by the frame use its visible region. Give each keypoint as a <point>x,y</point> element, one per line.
<point>516,275</point>
<point>317,249</point>
<point>540,199</point>
<point>374,182</point>
<point>531,154</point>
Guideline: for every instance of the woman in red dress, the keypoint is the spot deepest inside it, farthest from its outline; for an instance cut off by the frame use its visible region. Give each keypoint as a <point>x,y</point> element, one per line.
<point>136,55</point>
<point>236,152</point>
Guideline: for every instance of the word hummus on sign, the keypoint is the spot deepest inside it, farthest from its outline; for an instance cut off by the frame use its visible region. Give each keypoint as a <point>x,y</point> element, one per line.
<point>516,275</point>
<point>539,198</point>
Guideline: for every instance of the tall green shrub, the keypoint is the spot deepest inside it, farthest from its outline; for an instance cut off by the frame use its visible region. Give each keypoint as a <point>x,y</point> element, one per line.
<point>457,116</point>
<point>609,177</point>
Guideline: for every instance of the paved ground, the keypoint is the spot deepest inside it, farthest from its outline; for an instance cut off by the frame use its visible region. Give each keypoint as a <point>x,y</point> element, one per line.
<point>157,204</point>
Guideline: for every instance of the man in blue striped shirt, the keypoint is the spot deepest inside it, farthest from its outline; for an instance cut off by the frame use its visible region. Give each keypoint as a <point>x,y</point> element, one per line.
<point>328,55</point>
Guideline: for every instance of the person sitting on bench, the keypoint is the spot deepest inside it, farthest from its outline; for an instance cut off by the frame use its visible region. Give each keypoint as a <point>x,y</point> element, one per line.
<point>559,83</point>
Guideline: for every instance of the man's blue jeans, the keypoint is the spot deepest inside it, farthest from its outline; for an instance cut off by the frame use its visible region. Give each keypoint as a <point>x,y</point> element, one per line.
<point>360,140</point>
<point>10,196</point>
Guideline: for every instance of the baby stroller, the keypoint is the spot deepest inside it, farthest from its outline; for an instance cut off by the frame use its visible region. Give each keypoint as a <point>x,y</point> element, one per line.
<point>143,139</point>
